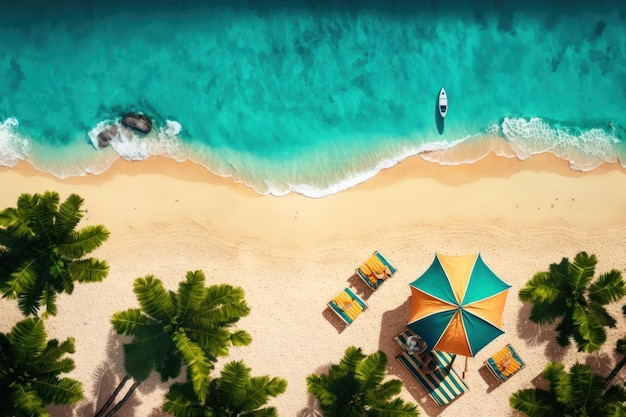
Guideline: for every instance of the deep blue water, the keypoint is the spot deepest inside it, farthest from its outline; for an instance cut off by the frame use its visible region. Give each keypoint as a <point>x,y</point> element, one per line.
<point>311,97</point>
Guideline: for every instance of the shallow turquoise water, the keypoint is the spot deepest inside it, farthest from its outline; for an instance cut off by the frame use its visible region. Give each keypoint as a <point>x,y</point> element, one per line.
<point>309,97</point>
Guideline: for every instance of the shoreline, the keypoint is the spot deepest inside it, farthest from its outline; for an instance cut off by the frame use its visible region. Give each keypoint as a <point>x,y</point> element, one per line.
<point>291,254</point>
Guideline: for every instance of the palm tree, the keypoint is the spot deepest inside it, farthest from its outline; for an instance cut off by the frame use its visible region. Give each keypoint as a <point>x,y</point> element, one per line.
<point>235,393</point>
<point>41,252</point>
<point>29,371</point>
<point>577,393</point>
<point>355,387</point>
<point>566,292</point>
<point>190,327</point>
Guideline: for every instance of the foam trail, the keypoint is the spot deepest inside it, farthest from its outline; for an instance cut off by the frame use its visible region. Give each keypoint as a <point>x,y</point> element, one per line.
<point>13,148</point>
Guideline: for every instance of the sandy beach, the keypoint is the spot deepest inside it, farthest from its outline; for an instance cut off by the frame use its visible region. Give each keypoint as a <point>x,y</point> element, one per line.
<point>292,254</point>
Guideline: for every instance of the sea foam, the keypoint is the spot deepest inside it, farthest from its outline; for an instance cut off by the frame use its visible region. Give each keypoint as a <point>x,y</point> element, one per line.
<point>13,148</point>
<point>162,141</point>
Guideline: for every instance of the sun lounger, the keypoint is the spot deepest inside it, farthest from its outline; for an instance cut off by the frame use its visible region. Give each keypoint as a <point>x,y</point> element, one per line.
<point>375,270</point>
<point>347,305</point>
<point>443,385</point>
<point>505,363</point>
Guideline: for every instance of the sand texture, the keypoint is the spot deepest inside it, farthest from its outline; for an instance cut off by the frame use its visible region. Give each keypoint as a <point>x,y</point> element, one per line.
<point>293,254</point>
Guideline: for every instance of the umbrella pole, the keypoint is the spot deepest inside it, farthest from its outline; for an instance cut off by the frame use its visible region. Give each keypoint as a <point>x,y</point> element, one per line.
<point>465,370</point>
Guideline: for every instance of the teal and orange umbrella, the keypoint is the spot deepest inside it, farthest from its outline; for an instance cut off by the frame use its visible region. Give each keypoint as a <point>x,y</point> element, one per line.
<point>457,304</point>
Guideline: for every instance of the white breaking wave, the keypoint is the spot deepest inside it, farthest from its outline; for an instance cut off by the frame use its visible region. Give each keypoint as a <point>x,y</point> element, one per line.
<point>13,148</point>
<point>160,142</point>
<point>584,149</point>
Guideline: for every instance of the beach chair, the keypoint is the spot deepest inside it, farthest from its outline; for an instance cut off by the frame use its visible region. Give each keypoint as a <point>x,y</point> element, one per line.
<point>375,270</point>
<point>347,305</point>
<point>505,363</point>
<point>443,385</point>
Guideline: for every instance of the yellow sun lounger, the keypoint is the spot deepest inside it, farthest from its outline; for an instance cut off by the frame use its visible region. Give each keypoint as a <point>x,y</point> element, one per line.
<point>505,363</point>
<point>375,270</point>
<point>347,305</point>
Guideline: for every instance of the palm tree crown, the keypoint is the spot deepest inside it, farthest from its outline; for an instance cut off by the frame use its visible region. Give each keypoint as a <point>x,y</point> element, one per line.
<point>42,253</point>
<point>29,371</point>
<point>235,393</point>
<point>355,387</point>
<point>566,292</point>
<point>191,326</point>
<point>579,393</point>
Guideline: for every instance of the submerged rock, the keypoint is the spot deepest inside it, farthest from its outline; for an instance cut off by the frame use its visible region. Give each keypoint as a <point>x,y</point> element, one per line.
<point>137,121</point>
<point>105,136</point>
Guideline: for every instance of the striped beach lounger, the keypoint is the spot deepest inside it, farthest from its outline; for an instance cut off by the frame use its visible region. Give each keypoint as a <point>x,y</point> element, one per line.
<point>375,270</point>
<point>444,385</point>
<point>505,363</point>
<point>347,305</point>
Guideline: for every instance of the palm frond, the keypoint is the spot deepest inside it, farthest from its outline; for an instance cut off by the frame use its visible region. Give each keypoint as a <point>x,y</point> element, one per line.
<point>223,304</point>
<point>581,271</point>
<point>88,270</point>
<point>352,357</point>
<point>609,287</point>
<point>535,403</point>
<point>240,338</point>
<point>27,401</point>
<point>127,322</point>
<point>197,364</point>
<point>28,303</point>
<point>370,372</point>
<point>601,315</point>
<point>154,300</point>
<point>262,412</point>
<point>191,294</point>
<point>395,408</point>
<point>49,301</point>
<point>553,373</point>
<point>543,288</point>
<point>209,336</point>
<point>180,401</point>
<point>42,212</point>
<point>141,356</point>
<point>564,331</point>
<point>28,340</point>
<point>58,391</point>
<point>55,350</point>
<point>546,313</point>
<point>589,334</point>
<point>385,391</point>
<point>83,241</point>
<point>21,279</point>
<point>232,384</point>
<point>68,215</point>
<point>55,368</point>
<point>16,223</point>
<point>586,387</point>
<point>317,385</point>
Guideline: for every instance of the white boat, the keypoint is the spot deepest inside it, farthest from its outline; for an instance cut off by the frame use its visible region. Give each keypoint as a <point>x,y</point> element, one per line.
<point>443,103</point>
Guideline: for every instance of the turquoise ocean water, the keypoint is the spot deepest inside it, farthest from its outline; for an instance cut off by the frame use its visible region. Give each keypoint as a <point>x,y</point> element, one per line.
<point>311,97</point>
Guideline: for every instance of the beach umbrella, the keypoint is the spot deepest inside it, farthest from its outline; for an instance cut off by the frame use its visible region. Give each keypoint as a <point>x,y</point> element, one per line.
<point>457,304</point>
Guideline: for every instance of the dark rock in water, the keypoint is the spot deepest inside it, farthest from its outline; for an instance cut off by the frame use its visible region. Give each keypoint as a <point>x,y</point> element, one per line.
<point>105,136</point>
<point>137,121</point>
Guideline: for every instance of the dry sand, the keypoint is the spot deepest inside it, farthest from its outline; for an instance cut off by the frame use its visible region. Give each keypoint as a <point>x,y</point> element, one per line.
<point>292,254</point>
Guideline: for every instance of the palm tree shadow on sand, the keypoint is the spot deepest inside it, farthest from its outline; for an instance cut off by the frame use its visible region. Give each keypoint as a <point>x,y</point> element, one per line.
<point>535,335</point>
<point>106,377</point>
